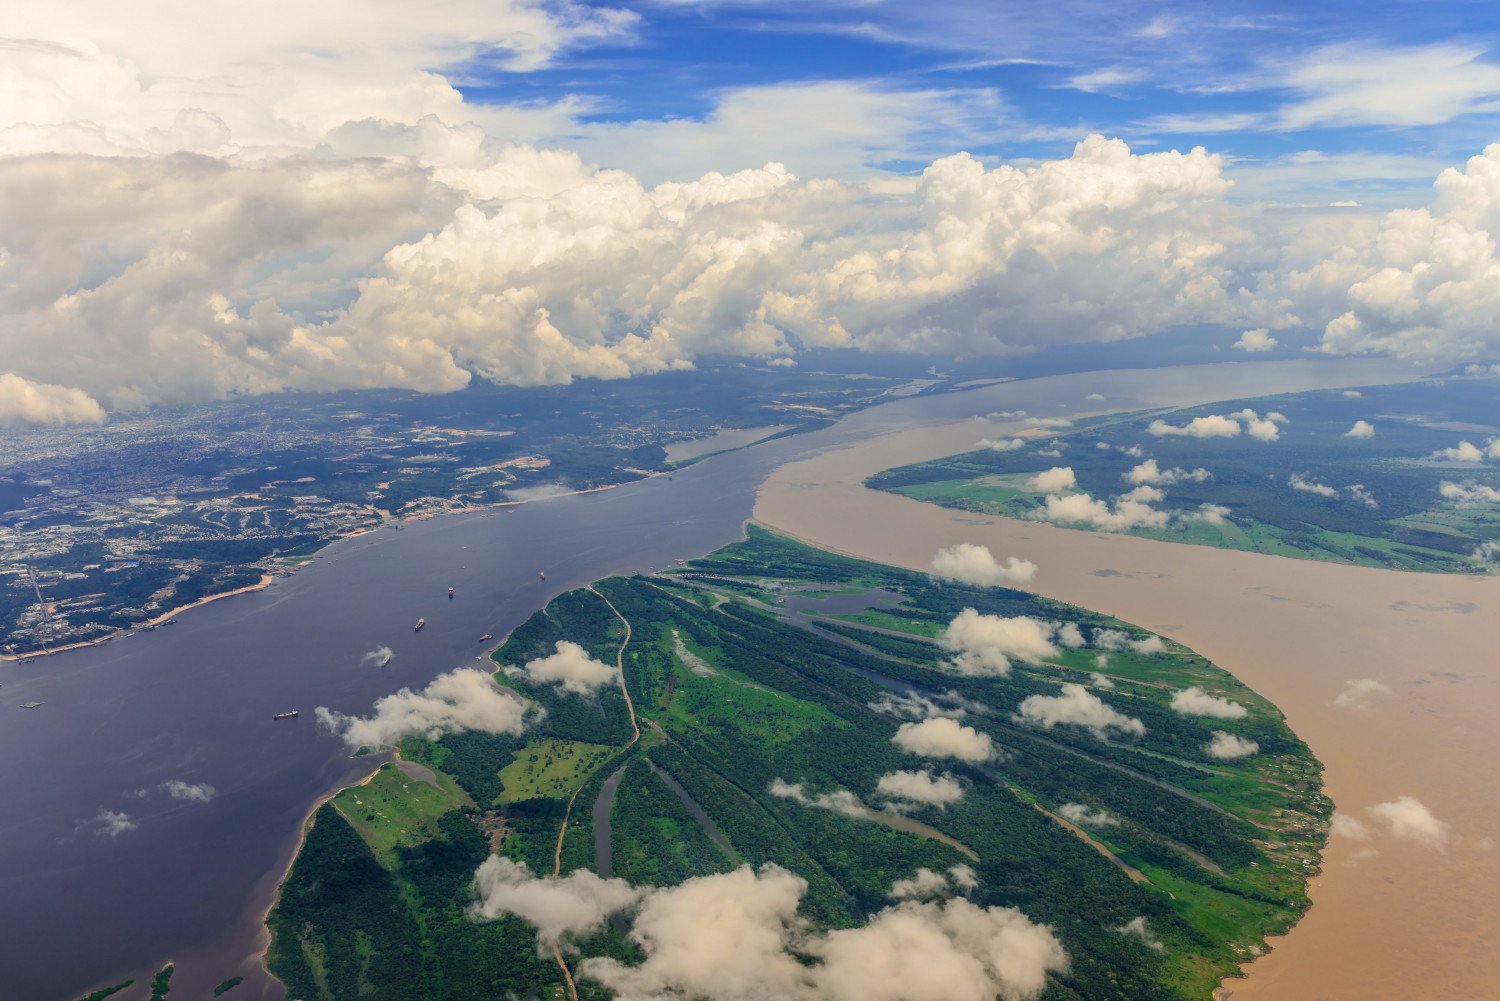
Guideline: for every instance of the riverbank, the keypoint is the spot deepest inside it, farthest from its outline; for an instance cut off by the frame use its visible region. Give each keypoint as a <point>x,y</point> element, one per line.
<point>265,581</point>
<point>268,578</point>
<point>1404,911</point>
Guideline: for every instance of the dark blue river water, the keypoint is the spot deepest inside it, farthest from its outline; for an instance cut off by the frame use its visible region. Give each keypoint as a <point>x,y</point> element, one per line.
<point>190,881</point>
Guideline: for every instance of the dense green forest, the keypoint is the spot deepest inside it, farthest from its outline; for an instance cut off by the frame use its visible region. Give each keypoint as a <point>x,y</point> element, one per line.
<point>734,694</point>
<point>1376,498</point>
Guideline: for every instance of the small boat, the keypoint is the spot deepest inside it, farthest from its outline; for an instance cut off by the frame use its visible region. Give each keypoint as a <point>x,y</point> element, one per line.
<point>541,575</point>
<point>486,638</point>
<point>30,705</point>
<point>418,627</point>
<point>286,715</point>
<point>450,594</point>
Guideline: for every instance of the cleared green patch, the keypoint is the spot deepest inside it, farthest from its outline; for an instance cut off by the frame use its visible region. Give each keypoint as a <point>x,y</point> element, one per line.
<point>551,769</point>
<point>393,809</point>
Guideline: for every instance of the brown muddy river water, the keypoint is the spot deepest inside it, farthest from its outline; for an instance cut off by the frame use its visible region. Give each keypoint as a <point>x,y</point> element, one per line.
<point>1404,913</point>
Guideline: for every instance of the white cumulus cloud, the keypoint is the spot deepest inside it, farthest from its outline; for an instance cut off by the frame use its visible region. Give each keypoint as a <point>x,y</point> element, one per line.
<point>464,699</point>
<point>1130,510</point>
<point>1149,472</point>
<point>737,936</point>
<point>1053,481</point>
<point>986,644</point>
<point>971,564</point>
<point>1227,747</point>
<point>572,669</point>
<point>1464,451</point>
<point>1077,706</point>
<point>1469,494</point>
<point>920,787</point>
<point>1211,426</point>
<point>925,884</point>
<point>1195,701</point>
<point>1407,818</point>
<point>560,908</point>
<point>25,402</point>
<point>1360,429</point>
<point>1256,341</point>
<point>942,737</point>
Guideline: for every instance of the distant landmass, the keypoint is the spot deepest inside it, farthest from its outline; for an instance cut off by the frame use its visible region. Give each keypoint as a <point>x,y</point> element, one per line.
<point>113,528</point>
<point>1400,476</point>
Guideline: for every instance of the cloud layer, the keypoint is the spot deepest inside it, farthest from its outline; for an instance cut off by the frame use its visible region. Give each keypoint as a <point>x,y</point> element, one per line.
<point>318,201</point>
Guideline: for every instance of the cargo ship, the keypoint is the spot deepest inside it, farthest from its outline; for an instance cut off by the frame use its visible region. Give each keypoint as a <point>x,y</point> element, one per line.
<point>286,715</point>
<point>418,627</point>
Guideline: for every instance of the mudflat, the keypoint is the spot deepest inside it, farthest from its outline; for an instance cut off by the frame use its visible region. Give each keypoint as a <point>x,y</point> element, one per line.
<point>1399,911</point>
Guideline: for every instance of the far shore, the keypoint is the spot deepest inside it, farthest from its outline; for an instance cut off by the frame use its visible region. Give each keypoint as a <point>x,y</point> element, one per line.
<point>264,582</point>
<point>268,578</point>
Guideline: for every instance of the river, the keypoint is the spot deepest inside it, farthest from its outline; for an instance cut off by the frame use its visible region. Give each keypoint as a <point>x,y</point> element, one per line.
<point>105,875</point>
<point>1393,917</point>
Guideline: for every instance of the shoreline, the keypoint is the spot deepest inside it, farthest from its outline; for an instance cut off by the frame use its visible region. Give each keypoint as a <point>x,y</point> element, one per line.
<point>260,957</point>
<point>268,578</point>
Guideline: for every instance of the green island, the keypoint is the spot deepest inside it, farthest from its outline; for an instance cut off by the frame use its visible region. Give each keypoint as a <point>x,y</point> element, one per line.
<point>1160,864</point>
<point>1402,491</point>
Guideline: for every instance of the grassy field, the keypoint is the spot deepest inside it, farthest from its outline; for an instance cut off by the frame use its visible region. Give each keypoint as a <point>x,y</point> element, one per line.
<point>1313,492</point>
<point>394,809</point>
<point>550,769</point>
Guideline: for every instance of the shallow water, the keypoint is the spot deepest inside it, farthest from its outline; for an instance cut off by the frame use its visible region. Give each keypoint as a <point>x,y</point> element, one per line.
<point>190,881</point>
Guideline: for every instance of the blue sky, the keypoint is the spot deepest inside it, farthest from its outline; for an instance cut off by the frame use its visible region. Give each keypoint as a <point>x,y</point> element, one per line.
<point>1310,102</point>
